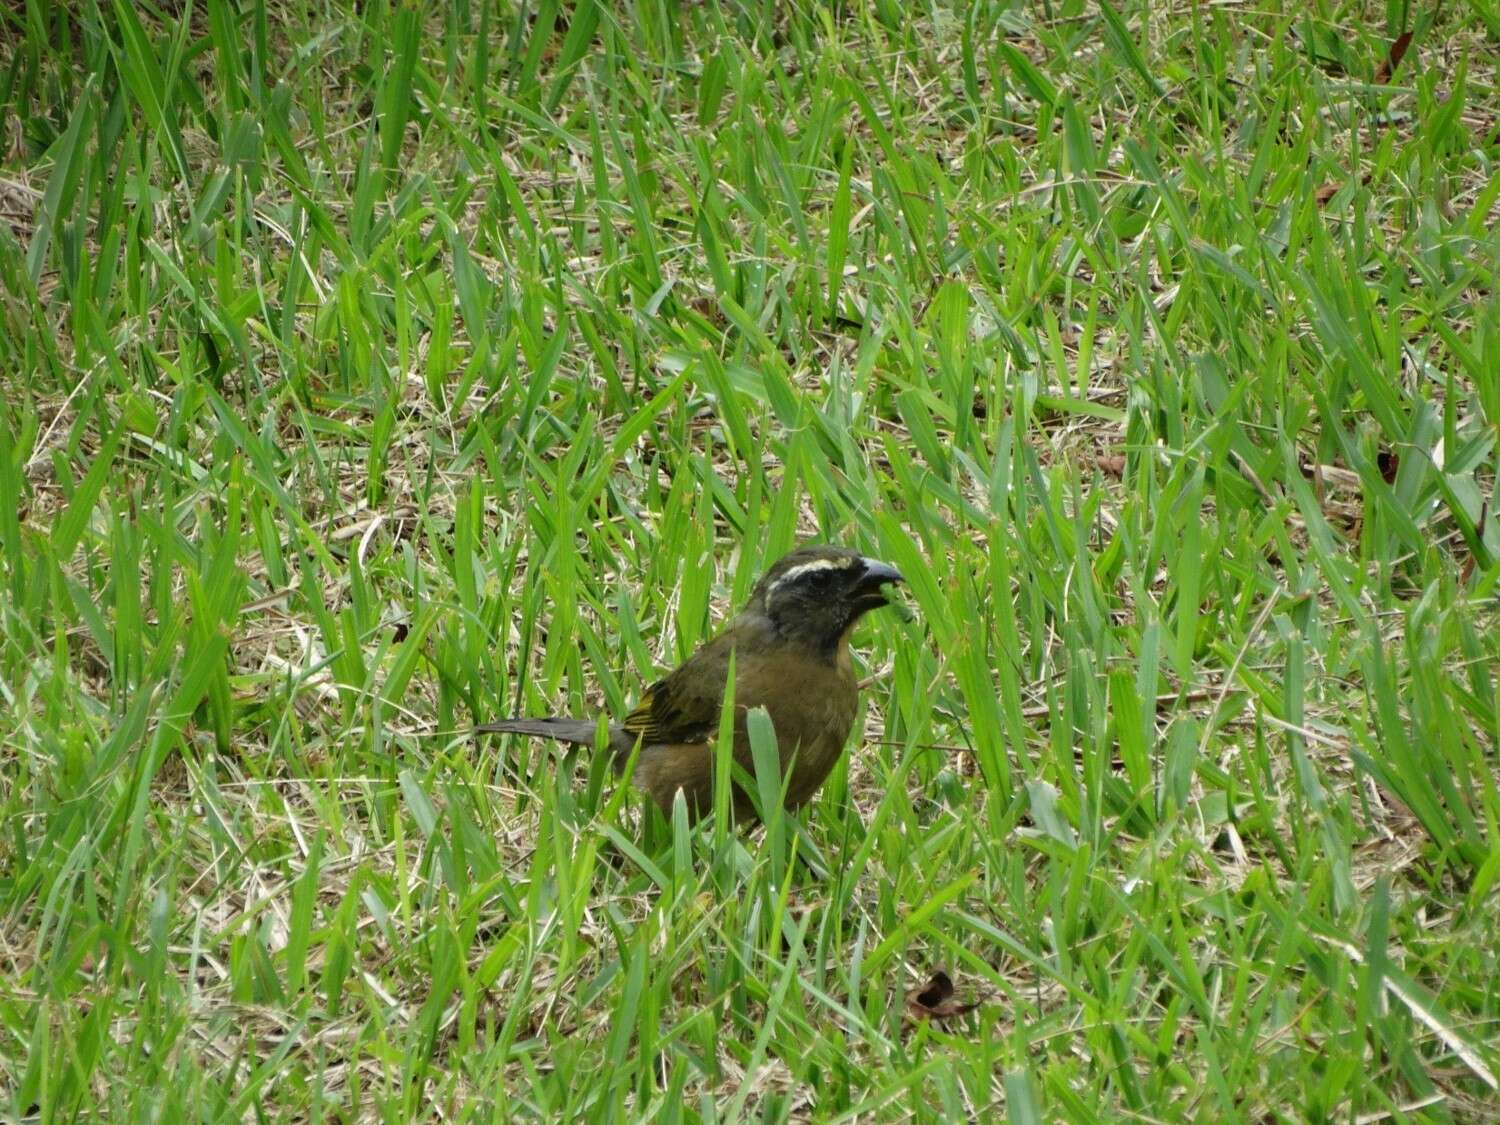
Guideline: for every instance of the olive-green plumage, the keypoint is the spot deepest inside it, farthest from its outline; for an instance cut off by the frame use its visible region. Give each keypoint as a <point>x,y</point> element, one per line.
<point>791,656</point>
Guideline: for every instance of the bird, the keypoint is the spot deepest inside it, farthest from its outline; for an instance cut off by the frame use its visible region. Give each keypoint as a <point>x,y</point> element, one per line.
<point>790,648</point>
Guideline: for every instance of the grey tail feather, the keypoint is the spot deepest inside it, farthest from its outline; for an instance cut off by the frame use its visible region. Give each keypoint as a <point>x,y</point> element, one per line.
<point>580,731</point>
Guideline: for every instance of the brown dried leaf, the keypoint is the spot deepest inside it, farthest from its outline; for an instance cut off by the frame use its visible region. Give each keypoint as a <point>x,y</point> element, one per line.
<point>1387,461</point>
<point>1393,58</point>
<point>1331,188</point>
<point>935,999</point>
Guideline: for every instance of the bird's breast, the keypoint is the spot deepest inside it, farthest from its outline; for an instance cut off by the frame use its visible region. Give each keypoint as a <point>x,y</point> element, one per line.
<point>812,701</point>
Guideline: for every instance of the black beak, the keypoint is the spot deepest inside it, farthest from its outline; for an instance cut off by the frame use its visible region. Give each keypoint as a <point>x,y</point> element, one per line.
<point>867,592</point>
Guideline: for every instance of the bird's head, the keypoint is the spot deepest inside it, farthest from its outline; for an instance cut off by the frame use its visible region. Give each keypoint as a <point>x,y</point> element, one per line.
<point>817,593</point>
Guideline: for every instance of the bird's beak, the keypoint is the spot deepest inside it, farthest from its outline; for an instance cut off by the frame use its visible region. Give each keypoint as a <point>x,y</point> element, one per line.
<point>876,574</point>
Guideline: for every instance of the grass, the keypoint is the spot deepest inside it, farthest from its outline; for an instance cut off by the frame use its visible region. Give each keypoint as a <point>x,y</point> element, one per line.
<point>371,370</point>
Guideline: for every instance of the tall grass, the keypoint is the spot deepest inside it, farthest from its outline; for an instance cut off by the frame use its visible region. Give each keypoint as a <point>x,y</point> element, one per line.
<point>372,369</point>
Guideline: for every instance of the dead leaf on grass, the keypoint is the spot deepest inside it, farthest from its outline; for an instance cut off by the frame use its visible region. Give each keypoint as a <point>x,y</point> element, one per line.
<point>1111,465</point>
<point>1393,58</point>
<point>935,1000</point>
<point>1388,462</point>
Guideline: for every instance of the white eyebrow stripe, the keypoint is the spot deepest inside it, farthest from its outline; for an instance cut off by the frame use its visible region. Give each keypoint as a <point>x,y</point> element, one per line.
<point>810,567</point>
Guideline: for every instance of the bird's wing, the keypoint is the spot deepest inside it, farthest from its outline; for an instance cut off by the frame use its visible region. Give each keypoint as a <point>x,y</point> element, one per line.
<point>684,707</point>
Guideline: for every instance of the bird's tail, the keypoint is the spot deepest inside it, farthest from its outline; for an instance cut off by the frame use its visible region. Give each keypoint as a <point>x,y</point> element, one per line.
<point>580,731</point>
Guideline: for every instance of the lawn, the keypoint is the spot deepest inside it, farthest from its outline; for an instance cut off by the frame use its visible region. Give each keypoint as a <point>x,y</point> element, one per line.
<point>371,370</point>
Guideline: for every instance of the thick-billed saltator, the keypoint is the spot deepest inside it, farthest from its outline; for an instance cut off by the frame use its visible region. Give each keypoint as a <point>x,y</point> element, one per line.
<point>791,656</point>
